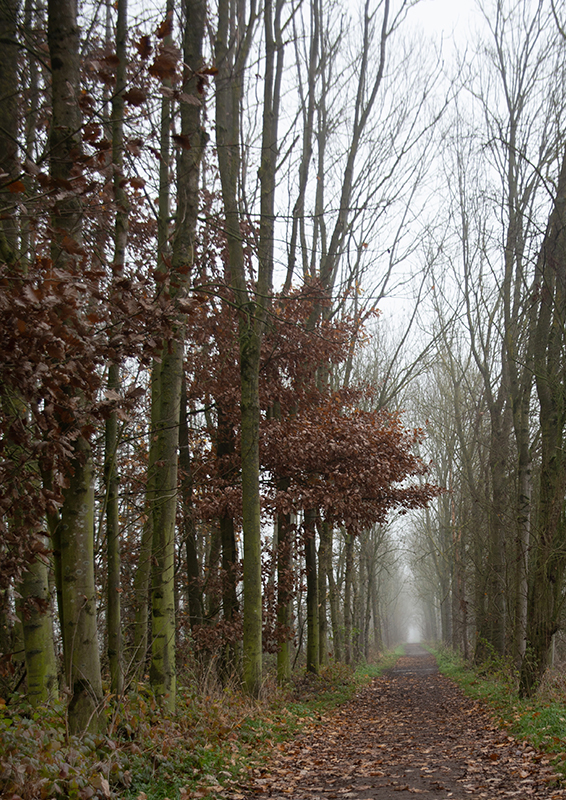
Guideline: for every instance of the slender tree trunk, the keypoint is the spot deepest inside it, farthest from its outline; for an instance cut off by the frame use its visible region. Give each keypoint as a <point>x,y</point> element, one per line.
<point>9,115</point>
<point>142,576</point>
<point>163,671</point>
<point>312,593</point>
<point>335,620</point>
<point>377,635</point>
<point>367,615</point>
<point>225,450</point>
<point>194,578</point>
<point>80,634</point>
<point>284,592</point>
<point>324,566</point>
<point>497,566</point>
<point>357,605</point>
<point>80,641</point>
<point>231,57</point>
<point>348,587</point>
<point>170,375</point>
<point>113,618</point>
<point>212,586</point>
<point>114,623</point>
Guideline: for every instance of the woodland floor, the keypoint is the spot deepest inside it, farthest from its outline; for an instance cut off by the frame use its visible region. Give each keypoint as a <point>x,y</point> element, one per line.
<point>412,732</point>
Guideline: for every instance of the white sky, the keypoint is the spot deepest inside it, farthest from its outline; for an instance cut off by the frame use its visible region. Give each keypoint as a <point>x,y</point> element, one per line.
<point>452,20</point>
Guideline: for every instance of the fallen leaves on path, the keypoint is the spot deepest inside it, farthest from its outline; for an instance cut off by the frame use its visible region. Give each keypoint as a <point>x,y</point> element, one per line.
<point>412,732</point>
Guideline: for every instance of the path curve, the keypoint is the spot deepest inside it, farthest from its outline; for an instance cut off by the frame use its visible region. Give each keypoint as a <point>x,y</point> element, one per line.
<point>411,733</point>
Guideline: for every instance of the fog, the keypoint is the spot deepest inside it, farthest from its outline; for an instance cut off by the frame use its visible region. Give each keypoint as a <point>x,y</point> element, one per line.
<point>413,634</point>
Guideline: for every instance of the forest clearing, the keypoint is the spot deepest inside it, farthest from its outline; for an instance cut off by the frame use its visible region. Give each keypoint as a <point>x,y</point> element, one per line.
<point>282,377</point>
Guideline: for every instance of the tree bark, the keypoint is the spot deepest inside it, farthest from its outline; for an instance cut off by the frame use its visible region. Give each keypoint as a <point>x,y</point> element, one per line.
<point>284,592</point>
<point>194,578</point>
<point>35,613</point>
<point>9,116</point>
<point>324,567</point>
<point>348,586</point>
<point>79,630</point>
<point>80,634</point>
<point>312,592</point>
<point>333,599</point>
<point>114,624</point>
<point>231,58</point>
<point>170,370</point>
<point>225,450</point>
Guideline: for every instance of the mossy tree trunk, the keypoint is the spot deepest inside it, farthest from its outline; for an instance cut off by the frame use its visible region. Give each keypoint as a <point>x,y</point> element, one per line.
<point>35,613</point>
<point>231,57</point>
<point>168,373</point>
<point>79,628</point>
<point>142,578</point>
<point>80,633</point>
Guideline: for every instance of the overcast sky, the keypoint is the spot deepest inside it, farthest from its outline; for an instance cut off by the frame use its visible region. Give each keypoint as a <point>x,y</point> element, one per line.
<point>453,20</point>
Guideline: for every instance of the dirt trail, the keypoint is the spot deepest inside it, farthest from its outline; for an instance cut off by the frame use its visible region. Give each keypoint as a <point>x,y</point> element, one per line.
<point>412,732</point>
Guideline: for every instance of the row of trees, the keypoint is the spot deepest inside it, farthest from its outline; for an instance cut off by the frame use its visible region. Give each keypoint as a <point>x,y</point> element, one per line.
<point>490,556</point>
<point>200,440</point>
<point>162,405</point>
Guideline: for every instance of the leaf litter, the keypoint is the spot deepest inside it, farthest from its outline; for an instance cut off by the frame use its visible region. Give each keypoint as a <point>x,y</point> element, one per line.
<point>412,732</point>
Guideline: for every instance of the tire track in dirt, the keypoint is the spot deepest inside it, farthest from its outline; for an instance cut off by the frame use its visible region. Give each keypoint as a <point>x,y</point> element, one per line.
<point>411,733</point>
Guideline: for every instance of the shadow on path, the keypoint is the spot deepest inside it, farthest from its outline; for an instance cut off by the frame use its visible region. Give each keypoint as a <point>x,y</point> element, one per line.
<point>412,732</point>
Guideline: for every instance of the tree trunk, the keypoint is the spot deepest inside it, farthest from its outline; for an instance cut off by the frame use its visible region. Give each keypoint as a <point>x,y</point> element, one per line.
<point>231,57</point>
<point>324,567</point>
<point>35,613</point>
<point>9,115</point>
<point>194,578</point>
<point>170,372</point>
<point>113,618</point>
<point>348,581</point>
<point>114,623</point>
<point>377,635</point>
<point>312,593</point>
<point>79,630</point>
<point>496,599</point>
<point>225,450</point>
<point>333,600</point>
<point>284,592</point>
<point>163,671</point>
<point>80,634</point>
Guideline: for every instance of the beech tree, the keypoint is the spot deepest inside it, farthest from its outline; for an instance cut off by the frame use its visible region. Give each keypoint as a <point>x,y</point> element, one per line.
<point>74,544</point>
<point>167,384</point>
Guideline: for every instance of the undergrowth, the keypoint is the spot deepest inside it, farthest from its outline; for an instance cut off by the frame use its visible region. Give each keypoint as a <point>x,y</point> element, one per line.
<point>538,720</point>
<point>205,750</point>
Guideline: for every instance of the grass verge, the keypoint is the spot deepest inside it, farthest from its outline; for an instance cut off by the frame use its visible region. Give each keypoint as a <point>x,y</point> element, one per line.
<point>206,750</point>
<point>539,720</point>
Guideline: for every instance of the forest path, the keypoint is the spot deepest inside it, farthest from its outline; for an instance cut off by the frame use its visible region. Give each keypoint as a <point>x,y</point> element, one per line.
<point>411,732</point>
